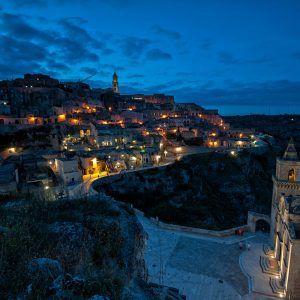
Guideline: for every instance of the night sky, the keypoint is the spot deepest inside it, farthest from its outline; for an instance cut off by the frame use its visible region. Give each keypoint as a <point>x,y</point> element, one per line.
<point>215,53</point>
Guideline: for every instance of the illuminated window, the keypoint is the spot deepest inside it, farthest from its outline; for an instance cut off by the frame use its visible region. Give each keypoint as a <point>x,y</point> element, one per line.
<point>291,175</point>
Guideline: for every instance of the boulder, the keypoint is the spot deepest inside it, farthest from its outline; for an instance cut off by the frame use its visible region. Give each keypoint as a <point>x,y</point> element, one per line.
<point>44,269</point>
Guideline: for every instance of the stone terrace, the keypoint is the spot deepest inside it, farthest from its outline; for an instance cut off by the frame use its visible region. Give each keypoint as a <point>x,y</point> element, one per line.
<point>201,267</point>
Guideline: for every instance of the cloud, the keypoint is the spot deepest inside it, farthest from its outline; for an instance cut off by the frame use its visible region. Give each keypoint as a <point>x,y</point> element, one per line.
<point>58,66</point>
<point>227,59</point>
<point>107,51</point>
<point>88,70</point>
<point>16,26</point>
<point>174,35</point>
<point>157,54</point>
<point>111,67</point>
<point>261,60</point>
<point>295,55</point>
<point>206,43</point>
<point>136,76</point>
<point>240,93</point>
<point>134,47</point>
<point>18,4</point>
<point>23,3</point>
<point>47,49</point>
<point>79,34</point>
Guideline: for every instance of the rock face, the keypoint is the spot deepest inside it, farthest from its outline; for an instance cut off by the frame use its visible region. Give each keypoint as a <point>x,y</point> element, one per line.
<point>41,269</point>
<point>79,249</point>
<point>213,191</point>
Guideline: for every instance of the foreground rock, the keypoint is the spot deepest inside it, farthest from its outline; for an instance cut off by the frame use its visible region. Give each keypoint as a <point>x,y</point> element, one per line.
<point>79,249</point>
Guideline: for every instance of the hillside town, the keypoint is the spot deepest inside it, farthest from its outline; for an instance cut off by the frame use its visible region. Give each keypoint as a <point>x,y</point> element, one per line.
<point>58,135</point>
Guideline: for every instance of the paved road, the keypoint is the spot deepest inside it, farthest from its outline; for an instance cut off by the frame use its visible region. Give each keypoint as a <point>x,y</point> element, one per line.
<point>201,267</point>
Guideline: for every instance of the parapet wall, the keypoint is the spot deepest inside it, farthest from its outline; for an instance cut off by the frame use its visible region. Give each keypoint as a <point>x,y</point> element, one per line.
<point>213,233</point>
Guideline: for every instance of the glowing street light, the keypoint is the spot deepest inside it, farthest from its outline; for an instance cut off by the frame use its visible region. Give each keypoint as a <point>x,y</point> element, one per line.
<point>157,157</point>
<point>165,153</point>
<point>178,149</point>
<point>12,150</point>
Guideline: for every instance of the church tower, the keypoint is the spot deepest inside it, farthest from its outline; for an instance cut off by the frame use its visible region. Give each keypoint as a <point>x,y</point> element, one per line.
<point>286,180</point>
<point>115,83</point>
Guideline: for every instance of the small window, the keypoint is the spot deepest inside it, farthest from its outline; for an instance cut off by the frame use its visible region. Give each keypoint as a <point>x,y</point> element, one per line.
<point>291,175</point>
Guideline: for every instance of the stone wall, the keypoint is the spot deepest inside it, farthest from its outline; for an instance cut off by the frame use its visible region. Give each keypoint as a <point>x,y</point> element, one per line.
<point>212,233</point>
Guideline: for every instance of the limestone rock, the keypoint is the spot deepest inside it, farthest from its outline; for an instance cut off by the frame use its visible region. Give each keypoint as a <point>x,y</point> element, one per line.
<point>44,269</point>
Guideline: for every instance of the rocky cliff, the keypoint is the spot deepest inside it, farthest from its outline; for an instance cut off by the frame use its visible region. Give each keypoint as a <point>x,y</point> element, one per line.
<point>79,249</point>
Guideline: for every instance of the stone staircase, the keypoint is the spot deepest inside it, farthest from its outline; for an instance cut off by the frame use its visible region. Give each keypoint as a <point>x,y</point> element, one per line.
<point>269,266</point>
<point>277,286</point>
<point>268,250</point>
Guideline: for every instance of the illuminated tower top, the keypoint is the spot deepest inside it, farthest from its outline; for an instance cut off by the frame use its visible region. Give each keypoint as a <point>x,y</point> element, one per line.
<point>115,84</point>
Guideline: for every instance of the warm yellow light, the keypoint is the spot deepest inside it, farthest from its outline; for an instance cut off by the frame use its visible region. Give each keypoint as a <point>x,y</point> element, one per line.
<point>178,149</point>
<point>12,150</point>
<point>232,153</point>
<point>74,121</point>
<point>94,160</point>
<point>61,118</point>
<point>164,116</point>
<point>110,109</point>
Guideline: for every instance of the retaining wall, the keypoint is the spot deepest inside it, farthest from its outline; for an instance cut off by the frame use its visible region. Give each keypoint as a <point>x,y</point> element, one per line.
<point>214,233</point>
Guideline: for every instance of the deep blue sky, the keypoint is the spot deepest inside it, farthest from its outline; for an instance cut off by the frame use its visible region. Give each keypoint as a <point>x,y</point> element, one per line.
<point>215,53</point>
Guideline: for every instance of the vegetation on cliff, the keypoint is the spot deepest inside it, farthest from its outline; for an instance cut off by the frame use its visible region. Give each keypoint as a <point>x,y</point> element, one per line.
<point>213,191</point>
<point>65,249</point>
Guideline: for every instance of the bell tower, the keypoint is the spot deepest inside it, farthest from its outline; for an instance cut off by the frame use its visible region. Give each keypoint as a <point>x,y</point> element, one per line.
<point>286,180</point>
<point>115,83</point>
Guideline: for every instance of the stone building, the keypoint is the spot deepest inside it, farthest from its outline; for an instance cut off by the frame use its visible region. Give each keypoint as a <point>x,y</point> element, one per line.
<point>283,260</point>
<point>115,83</point>
<point>68,170</point>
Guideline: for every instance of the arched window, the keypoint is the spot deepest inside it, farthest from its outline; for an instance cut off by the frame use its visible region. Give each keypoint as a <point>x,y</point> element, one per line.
<point>291,175</point>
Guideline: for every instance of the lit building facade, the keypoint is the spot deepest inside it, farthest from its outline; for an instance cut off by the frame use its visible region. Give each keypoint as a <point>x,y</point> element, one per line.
<point>284,258</point>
